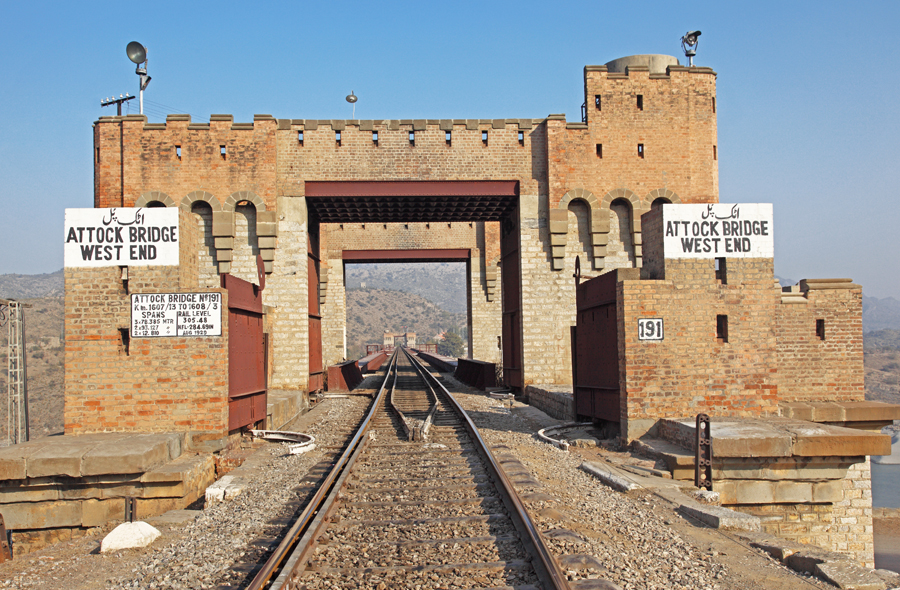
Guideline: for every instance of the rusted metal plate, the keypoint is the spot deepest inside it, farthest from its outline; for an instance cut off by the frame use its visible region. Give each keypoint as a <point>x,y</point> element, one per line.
<point>479,374</point>
<point>432,255</point>
<point>242,294</point>
<point>510,271</point>
<point>595,357</point>
<point>411,188</point>
<point>316,369</point>
<point>344,376</point>
<point>247,362</point>
<point>246,410</point>
<point>411,201</point>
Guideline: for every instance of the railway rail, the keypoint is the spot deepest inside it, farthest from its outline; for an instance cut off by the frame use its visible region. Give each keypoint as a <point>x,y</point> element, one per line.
<point>415,500</point>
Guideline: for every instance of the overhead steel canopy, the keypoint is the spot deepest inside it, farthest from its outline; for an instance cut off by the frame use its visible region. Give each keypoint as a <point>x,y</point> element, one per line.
<point>400,201</point>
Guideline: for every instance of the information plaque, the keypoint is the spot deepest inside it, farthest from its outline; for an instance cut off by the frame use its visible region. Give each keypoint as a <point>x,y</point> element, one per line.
<point>176,314</point>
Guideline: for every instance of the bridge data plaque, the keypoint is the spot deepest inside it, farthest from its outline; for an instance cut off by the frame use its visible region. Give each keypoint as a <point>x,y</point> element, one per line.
<point>176,314</point>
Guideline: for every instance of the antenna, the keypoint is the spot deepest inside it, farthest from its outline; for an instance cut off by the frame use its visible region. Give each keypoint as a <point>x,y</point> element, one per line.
<point>689,44</point>
<point>352,98</point>
<point>137,53</point>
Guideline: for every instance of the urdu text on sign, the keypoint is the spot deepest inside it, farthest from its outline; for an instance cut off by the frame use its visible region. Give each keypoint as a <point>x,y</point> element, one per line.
<point>718,230</point>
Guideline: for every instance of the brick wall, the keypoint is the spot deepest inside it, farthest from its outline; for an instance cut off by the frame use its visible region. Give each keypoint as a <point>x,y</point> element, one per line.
<point>136,157</point>
<point>844,526</point>
<point>811,369</point>
<point>156,384</point>
<point>677,128</point>
<point>267,161</point>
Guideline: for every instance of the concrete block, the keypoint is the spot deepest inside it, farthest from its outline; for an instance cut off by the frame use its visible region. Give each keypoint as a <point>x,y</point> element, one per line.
<point>558,239</point>
<point>746,439</point>
<point>223,223</point>
<point>224,256</point>
<point>266,229</point>
<point>224,267</point>
<point>268,266</point>
<point>600,239</point>
<point>446,125</point>
<point>558,264</point>
<point>136,454</point>
<point>559,227</point>
<point>63,458</point>
<point>823,440</point>
<point>828,491</point>
<point>870,411</point>
<point>26,493</point>
<point>826,412</point>
<point>792,492</point>
<point>558,251</point>
<point>266,241</point>
<point>558,215</point>
<point>600,224</point>
<point>226,243</point>
<point>600,251</point>
<point>846,575</point>
<point>265,217</point>
<point>745,491</point>
<point>807,560</point>
<point>13,459</point>
<point>609,478</point>
<point>797,410</point>
<point>267,253</point>
<point>42,515</point>
<point>100,512</point>
<point>720,518</point>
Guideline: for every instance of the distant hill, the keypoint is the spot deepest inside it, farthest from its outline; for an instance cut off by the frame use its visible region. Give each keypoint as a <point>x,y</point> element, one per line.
<point>44,363</point>
<point>880,314</point>
<point>443,283</point>
<point>372,311</point>
<point>31,286</point>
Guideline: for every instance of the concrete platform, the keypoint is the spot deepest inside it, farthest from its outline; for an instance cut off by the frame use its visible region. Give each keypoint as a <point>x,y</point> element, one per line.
<point>861,415</point>
<point>58,487</point>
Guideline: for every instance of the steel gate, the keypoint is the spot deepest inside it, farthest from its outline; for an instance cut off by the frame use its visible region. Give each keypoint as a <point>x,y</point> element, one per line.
<point>247,360</point>
<point>595,348</point>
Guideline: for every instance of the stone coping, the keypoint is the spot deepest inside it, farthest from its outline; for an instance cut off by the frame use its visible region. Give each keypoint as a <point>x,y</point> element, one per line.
<point>841,412</point>
<point>780,437</point>
<point>89,455</point>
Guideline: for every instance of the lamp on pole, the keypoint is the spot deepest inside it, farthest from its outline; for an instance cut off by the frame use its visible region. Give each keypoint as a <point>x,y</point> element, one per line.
<point>137,53</point>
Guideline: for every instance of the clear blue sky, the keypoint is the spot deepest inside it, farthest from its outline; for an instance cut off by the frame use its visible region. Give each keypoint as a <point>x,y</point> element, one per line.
<point>807,95</point>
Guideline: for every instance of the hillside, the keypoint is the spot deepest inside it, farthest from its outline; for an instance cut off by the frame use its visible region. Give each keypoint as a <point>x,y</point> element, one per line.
<point>880,314</point>
<point>443,283</point>
<point>44,364</point>
<point>372,311</point>
<point>882,361</point>
<point>31,286</point>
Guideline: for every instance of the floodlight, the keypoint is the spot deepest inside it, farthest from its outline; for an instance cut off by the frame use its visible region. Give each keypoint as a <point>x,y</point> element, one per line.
<point>689,44</point>
<point>136,52</point>
<point>352,98</point>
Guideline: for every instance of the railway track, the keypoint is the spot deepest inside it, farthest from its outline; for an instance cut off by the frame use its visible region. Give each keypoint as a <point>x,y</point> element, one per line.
<point>415,501</point>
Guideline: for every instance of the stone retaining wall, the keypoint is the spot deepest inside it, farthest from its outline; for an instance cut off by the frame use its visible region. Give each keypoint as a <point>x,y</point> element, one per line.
<point>554,401</point>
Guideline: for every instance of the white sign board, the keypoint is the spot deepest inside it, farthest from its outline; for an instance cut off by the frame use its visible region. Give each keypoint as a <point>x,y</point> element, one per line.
<point>176,314</point>
<point>650,329</point>
<point>121,237</point>
<point>718,230</point>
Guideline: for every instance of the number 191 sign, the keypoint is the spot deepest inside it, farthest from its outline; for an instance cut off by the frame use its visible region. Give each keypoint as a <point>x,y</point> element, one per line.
<point>650,329</point>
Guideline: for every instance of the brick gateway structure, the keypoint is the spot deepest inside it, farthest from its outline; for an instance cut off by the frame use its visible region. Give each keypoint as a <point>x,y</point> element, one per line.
<point>521,198</point>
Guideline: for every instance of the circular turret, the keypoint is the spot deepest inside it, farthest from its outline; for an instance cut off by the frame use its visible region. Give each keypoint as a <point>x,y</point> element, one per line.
<point>657,63</point>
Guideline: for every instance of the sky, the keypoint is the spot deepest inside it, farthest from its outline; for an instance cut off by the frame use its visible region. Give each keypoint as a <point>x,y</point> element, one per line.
<point>807,95</point>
